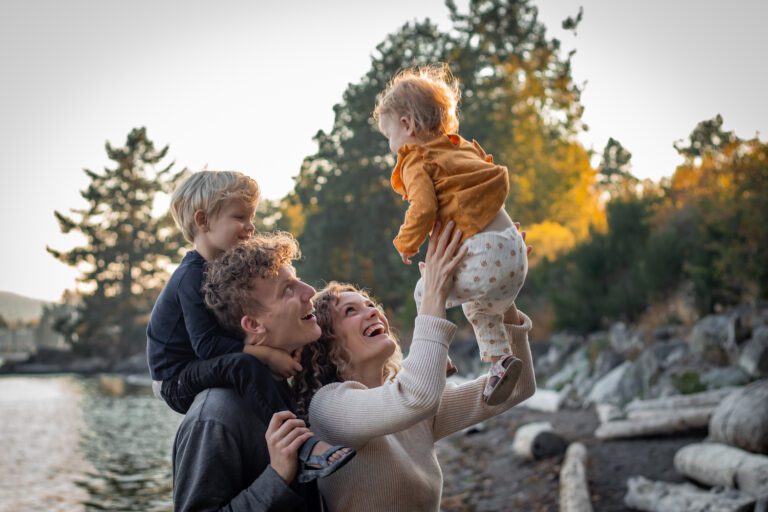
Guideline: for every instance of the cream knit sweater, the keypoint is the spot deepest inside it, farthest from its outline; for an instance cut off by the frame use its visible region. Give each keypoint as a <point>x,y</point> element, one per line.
<point>394,426</point>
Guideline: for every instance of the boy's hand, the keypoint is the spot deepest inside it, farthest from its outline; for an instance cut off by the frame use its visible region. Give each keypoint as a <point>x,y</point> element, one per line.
<point>406,257</point>
<point>285,435</point>
<point>280,363</point>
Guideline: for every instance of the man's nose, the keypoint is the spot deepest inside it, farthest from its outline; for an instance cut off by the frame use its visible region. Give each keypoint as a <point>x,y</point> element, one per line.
<point>307,291</point>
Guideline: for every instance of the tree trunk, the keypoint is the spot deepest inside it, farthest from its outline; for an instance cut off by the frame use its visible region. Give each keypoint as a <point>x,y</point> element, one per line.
<point>663,422</point>
<point>723,465</point>
<point>644,494</point>
<point>574,493</point>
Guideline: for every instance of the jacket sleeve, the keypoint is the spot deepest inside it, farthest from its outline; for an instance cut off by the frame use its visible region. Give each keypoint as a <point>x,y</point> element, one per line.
<point>207,467</point>
<point>351,414</point>
<point>422,209</point>
<point>206,336</point>
<point>463,406</point>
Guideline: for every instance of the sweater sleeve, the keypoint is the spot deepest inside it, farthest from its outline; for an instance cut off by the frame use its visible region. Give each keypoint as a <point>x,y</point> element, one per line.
<point>206,336</point>
<point>351,414</point>
<point>422,209</point>
<point>463,406</point>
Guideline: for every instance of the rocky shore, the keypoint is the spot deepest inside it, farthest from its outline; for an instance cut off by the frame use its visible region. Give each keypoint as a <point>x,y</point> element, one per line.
<point>661,391</point>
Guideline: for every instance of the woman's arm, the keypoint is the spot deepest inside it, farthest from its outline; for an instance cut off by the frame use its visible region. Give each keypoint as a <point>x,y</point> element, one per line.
<point>351,414</point>
<point>463,406</point>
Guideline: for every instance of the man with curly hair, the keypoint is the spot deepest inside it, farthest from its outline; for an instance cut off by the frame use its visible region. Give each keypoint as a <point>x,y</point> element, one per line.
<point>220,455</point>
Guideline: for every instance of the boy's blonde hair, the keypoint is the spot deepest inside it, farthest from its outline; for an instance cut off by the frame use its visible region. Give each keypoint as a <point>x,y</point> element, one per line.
<point>429,95</point>
<point>207,191</point>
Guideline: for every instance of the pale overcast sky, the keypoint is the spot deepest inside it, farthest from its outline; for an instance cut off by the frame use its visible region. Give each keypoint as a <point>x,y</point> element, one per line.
<point>246,84</point>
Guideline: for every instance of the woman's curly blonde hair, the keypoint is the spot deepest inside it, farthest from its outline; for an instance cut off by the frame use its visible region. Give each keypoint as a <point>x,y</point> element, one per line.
<point>429,95</point>
<point>326,360</point>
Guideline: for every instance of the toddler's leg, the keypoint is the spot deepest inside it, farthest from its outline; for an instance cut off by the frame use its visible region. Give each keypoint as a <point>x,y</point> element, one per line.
<point>495,348</point>
<point>488,325</point>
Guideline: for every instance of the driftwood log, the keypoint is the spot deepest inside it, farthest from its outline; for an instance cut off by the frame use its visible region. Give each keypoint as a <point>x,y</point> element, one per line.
<point>574,492</point>
<point>659,423</point>
<point>703,399</point>
<point>536,441</point>
<point>644,494</point>
<point>742,419</point>
<point>722,465</point>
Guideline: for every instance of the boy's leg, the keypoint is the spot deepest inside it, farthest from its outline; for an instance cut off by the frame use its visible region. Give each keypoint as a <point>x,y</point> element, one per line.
<point>239,371</point>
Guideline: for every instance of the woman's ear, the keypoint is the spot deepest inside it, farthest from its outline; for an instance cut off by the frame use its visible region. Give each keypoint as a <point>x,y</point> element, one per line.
<point>255,332</point>
<point>201,220</point>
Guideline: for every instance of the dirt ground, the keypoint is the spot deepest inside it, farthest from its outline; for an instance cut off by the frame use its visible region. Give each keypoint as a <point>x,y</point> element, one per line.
<point>481,472</point>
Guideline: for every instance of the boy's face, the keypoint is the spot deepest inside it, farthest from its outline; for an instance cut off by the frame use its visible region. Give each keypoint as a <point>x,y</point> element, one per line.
<point>397,129</point>
<point>288,317</point>
<point>231,225</point>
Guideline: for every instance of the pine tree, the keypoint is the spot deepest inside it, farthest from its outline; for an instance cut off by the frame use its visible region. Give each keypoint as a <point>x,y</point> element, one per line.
<point>126,249</point>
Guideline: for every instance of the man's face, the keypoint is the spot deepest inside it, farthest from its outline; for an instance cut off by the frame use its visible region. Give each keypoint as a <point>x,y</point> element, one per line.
<point>288,316</point>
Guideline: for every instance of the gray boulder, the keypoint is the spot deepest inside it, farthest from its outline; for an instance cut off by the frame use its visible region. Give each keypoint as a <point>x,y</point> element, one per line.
<point>625,340</point>
<point>618,387</point>
<point>754,355</point>
<point>713,339</point>
<point>729,376</point>
<point>741,419</point>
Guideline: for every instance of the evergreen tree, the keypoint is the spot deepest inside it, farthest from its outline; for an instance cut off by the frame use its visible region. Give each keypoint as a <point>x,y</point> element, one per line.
<point>614,173</point>
<point>126,249</point>
<point>518,100</point>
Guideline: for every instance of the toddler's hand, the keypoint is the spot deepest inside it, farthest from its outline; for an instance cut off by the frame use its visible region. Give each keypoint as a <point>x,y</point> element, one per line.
<point>407,257</point>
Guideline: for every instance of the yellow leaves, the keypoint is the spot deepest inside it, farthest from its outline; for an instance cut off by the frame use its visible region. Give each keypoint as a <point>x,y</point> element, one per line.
<point>549,240</point>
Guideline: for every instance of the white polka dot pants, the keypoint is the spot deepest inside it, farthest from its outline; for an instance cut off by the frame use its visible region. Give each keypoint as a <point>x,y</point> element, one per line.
<point>486,284</point>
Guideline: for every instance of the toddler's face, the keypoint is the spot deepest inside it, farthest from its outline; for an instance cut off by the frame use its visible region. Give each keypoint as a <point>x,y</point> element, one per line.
<point>232,224</point>
<point>397,130</point>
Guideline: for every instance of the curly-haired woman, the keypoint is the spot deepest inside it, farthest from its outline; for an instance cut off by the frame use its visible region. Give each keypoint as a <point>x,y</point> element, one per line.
<point>357,390</point>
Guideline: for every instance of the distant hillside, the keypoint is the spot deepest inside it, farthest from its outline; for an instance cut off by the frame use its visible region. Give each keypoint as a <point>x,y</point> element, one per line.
<point>14,307</point>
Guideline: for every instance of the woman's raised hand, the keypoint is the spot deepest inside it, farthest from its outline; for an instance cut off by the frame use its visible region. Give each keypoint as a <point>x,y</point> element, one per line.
<point>444,254</point>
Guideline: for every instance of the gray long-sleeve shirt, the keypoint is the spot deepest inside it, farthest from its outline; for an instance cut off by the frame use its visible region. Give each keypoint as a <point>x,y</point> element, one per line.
<point>221,461</point>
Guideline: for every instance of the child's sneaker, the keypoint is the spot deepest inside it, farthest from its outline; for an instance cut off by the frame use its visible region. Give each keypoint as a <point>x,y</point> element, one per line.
<point>502,379</point>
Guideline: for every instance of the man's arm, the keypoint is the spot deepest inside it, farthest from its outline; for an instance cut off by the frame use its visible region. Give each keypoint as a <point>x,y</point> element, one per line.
<point>208,469</point>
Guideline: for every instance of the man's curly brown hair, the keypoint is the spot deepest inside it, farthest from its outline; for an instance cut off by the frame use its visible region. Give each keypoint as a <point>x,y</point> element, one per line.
<point>327,360</point>
<point>230,279</point>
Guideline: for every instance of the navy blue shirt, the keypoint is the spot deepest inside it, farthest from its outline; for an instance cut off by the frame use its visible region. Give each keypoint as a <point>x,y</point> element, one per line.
<point>181,328</point>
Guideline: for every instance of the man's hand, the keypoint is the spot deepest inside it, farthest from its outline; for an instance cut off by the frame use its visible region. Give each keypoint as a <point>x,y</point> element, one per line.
<point>285,435</point>
<point>280,363</point>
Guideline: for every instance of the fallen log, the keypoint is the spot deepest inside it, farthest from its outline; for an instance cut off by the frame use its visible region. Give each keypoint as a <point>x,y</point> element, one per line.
<point>651,496</point>
<point>574,492</point>
<point>639,414</point>
<point>705,398</point>
<point>664,422</point>
<point>723,465</point>
<point>536,441</point>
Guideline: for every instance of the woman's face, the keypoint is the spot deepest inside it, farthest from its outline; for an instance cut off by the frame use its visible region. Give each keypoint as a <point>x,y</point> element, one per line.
<point>363,329</point>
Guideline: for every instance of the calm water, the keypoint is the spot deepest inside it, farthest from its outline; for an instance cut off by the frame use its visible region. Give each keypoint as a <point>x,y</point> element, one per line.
<point>67,446</point>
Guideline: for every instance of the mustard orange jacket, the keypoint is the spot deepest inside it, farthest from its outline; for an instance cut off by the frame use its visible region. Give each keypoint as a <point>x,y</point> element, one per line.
<point>447,178</point>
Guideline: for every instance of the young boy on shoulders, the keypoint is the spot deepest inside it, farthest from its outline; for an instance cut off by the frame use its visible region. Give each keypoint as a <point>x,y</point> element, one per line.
<point>187,349</point>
